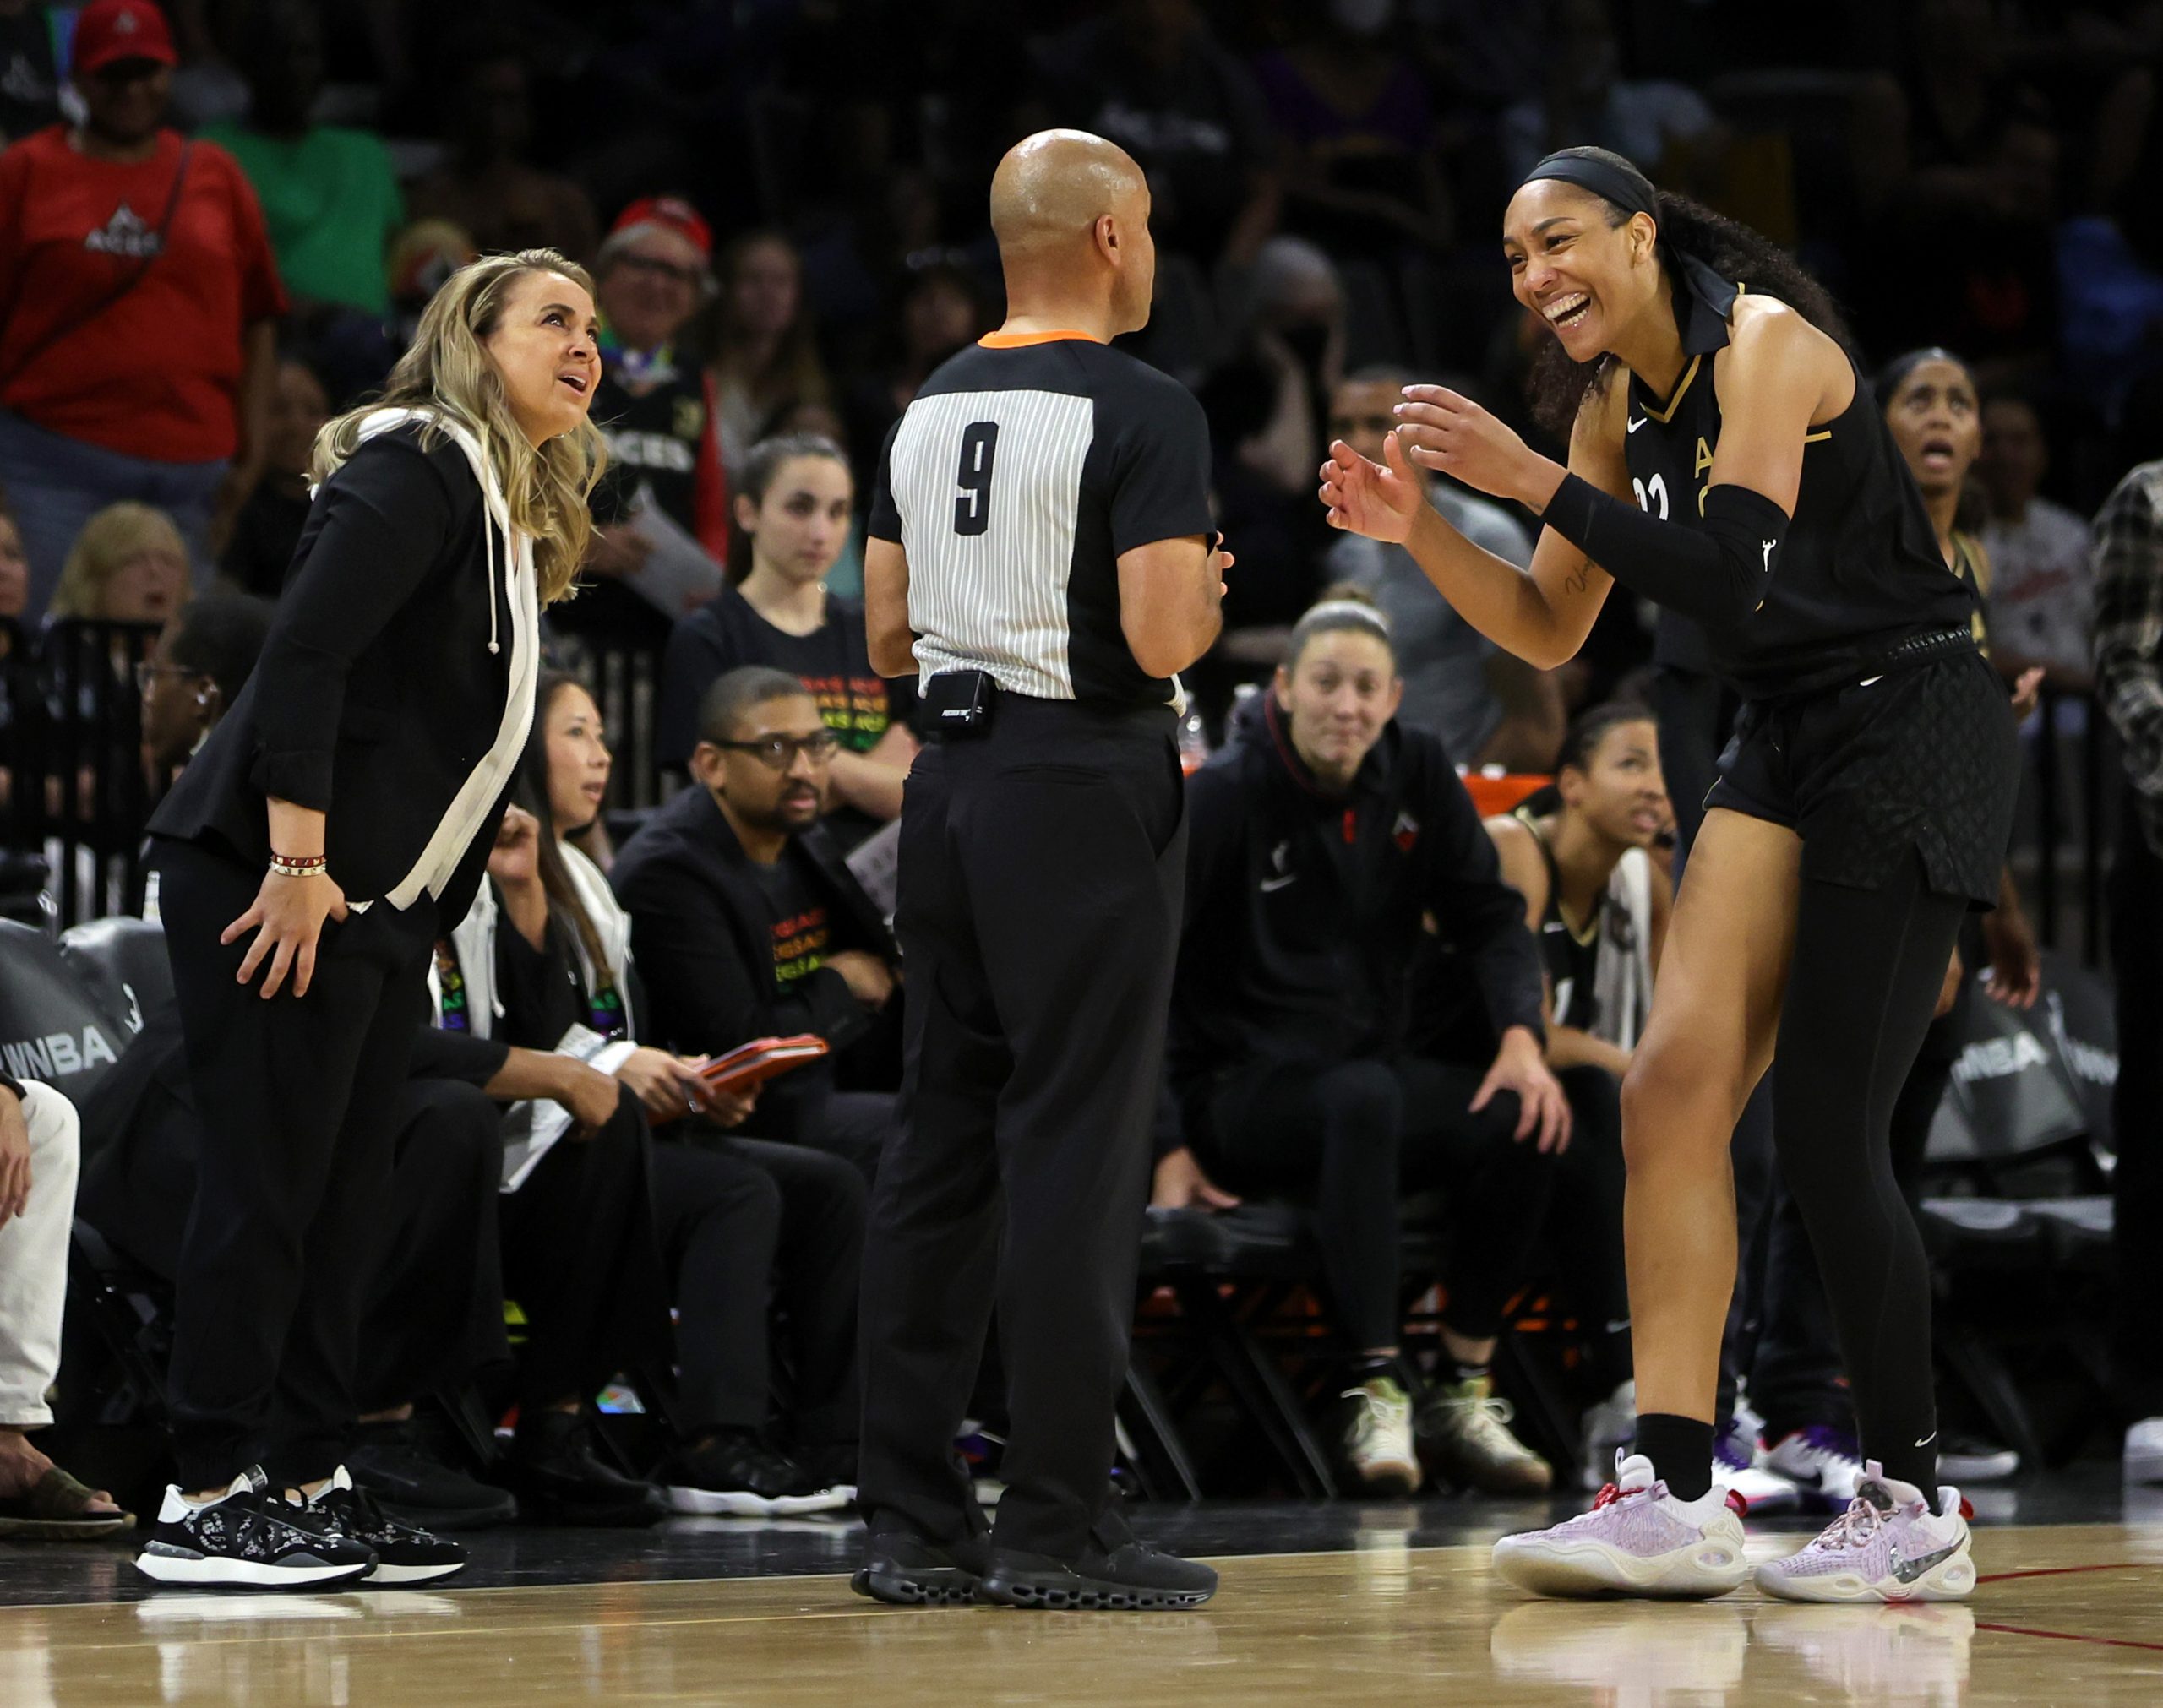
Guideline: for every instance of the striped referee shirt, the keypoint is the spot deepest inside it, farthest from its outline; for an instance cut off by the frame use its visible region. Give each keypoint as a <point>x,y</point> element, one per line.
<point>1013,482</point>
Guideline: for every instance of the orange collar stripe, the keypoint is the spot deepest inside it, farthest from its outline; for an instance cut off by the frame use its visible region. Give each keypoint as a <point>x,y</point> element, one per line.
<point>1016,340</point>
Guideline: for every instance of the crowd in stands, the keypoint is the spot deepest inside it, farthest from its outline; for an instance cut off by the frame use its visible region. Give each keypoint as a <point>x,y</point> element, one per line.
<point>218,222</point>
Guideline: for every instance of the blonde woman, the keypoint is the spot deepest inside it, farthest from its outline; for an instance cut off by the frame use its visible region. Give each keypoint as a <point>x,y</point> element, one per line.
<point>128,565</point>
<point>334,826</point>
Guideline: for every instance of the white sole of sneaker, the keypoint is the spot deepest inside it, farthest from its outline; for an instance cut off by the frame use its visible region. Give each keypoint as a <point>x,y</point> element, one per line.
<point>1574,1570</point>
<point>1951,1579</point>
<point>741,1503</point>
<point>825,1500</point>
<point>206,1573</point>
<point>2143,1467</point>
<point>396,1575</point>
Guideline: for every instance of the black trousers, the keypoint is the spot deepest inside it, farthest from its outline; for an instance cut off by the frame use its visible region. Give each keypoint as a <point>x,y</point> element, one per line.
<point>1583,1228</point>
<point>581,1262</point>
<point>299,1101</point>
<point>1351,1137</point>
<point>2137,1116</point>
<point>1041,874</point>
<point>748,1227</point>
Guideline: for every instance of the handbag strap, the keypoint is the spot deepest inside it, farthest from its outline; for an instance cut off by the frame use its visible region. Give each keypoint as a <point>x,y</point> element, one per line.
<point>99,305</point>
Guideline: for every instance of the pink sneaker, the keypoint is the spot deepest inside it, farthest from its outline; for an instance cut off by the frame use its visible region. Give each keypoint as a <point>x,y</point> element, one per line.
<point>1638,1540</point>
<point>1888,1546</point>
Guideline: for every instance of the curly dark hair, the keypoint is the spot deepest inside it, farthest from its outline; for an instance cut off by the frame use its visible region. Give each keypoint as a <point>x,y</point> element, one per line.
<point>1558,386</point>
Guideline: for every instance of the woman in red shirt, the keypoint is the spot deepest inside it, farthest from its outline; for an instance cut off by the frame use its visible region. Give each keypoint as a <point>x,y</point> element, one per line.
<point>138,308</point>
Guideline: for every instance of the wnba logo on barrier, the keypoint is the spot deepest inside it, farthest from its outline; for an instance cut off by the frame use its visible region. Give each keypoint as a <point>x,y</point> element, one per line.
<point>56,1054</point>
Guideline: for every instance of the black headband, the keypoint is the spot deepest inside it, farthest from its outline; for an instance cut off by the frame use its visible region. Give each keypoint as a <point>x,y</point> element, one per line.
<point>1611,183</point>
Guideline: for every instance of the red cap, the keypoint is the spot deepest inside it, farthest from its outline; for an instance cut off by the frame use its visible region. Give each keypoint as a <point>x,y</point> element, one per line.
<point>109,31</point>
<point>670,213</point>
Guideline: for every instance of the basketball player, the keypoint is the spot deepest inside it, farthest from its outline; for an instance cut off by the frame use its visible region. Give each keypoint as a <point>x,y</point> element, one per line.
<point>1727,461</point>
<point>1040,552</point>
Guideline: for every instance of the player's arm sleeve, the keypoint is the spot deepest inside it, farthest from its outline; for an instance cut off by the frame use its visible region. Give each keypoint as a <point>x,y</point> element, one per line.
<point>1160,470</point>
<point>1718,573</point>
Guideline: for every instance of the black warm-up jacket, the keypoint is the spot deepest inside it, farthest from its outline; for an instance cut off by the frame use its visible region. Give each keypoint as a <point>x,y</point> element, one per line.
<point>1306,909</point>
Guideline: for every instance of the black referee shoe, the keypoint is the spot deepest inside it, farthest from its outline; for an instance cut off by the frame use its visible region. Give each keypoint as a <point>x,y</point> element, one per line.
<point>909,1570</point>
<point>403,1554</point>
<point>250,1539</point>
<point>1115,1573</point>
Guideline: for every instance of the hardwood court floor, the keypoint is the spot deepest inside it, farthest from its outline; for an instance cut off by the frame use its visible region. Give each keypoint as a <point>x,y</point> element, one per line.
<point>2067,1614</point>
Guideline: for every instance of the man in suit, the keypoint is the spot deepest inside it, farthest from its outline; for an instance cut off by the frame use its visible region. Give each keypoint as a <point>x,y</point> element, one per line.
<point>745,921</point>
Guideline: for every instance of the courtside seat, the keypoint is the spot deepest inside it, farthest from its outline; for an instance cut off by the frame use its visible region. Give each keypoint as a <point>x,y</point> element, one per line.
<point>2077,1230</point>
<point>1981,1233</point>
<point>123,960</point>
<point>1182,1239</point>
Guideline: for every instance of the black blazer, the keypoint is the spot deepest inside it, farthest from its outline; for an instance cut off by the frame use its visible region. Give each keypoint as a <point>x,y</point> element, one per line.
<point>376,693</point>
<point>702,933</point>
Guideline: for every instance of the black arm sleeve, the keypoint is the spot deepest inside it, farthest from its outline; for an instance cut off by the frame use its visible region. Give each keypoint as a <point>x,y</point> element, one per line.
<point>387,514</point>
<point>1160,470</point>
<point>1478,913</point>
<point>441,1055</point>
<point>1718,573</point>
<point>883,519</point>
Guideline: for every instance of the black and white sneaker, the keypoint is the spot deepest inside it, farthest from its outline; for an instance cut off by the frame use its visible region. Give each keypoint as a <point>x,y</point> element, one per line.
<point>736,1474</point>
<point>249,1538</point>
<point>404,1554</point>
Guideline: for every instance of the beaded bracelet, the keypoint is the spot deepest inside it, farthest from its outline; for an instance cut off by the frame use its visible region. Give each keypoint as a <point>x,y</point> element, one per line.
<point>304,866</point>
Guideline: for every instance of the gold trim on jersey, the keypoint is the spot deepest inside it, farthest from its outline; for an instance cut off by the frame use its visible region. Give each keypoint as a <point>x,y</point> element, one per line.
<point>1665,415</point>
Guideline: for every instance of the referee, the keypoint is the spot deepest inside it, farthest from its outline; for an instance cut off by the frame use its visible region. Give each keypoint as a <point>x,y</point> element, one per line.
<point>1040,554</point>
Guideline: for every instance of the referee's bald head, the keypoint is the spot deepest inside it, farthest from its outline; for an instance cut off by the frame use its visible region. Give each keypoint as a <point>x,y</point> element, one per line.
<point>1071,214</point>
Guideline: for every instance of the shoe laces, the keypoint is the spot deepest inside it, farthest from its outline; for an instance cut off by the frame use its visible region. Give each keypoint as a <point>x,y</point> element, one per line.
<point>1382,1407</point>
<point>1484,1421</point>
<point>1854,1528</point>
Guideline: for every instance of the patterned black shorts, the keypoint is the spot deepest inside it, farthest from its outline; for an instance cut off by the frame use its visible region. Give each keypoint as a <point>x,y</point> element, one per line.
<point>1922,756</point>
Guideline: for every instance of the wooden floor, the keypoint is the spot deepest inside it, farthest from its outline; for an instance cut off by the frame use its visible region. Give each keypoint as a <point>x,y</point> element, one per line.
<point>2067,1614</point>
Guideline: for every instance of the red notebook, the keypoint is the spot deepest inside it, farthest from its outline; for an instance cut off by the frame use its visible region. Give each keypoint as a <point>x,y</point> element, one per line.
<point>761,1059</point>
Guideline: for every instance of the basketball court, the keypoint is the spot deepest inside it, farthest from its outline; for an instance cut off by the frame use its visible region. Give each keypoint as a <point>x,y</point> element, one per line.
<point>1332,1602</point>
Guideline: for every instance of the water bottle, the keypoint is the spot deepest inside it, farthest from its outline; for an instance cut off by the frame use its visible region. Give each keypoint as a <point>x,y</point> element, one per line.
<point>1193,743</point>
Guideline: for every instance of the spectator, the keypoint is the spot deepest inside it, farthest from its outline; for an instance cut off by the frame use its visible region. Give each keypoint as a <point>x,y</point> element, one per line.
<point>330,196</point>
<point>656,412</point>
<point>23,713</point>
<point>941,311</point>
<point>29,81</point>
<point>487,187</point>
<point>764,352</point>
<point>1577,853</point>
<point>793,503</point>
<point>1486,706</point>
<point>41,1143</point>
<point>196,672</point>
<point>1666,128</point>
<point>739,1222</point>
<point>2042,596</point>
<point>1355,133</point>
<point>268,529</point>
<point>2129,683</point>
<point>1317,841</point>
<point>139,355</point>
<point>745,921</point>
<point>1150,75</point>
<point>128,565</point>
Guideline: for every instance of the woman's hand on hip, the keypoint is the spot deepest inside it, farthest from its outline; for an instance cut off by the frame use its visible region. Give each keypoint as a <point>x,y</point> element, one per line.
<point>288,918</point>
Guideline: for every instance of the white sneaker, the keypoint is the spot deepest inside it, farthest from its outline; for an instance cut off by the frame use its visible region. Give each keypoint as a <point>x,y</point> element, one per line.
<point>1736,1453</point>
<point>2144,1451</point>
<point>1822,1462</point>
<point>1378,1441</point>
<point>1638,1540</point>
<point>1888,1546</point>
<point>1608,1429</point>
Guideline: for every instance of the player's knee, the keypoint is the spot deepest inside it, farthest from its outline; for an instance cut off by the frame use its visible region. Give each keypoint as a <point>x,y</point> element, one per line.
<point>1677,1101</point>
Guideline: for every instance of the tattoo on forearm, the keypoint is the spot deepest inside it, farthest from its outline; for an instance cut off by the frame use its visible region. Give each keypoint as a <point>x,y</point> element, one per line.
<point>1578,579</point>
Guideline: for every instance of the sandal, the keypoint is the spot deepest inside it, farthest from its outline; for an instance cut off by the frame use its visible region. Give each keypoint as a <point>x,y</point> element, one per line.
<point>57,1509</point>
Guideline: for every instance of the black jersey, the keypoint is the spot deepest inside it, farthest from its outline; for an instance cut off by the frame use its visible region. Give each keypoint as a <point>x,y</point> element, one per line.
<point>1860,570</point>
<point>1014,481</point>
<point>1571,956</point>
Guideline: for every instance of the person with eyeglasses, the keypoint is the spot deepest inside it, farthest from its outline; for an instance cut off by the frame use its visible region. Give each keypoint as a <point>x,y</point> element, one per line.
<point>656,411</point>
<point>746,922</point>
<point>195,671</point>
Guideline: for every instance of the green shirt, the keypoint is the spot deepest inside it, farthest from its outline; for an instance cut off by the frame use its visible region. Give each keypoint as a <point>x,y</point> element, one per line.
<point>332,202</point>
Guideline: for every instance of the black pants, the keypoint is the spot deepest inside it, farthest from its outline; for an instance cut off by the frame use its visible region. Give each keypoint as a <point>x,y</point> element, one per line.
<point>1350,1138</point>
<point>1042,872</point>
<point>747,1226</point>
<point>1584,1223</point>
<point>299,1100</point>
<point>856,1126</point>
<point>2137,1116</point>
<point>582,1264</point>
